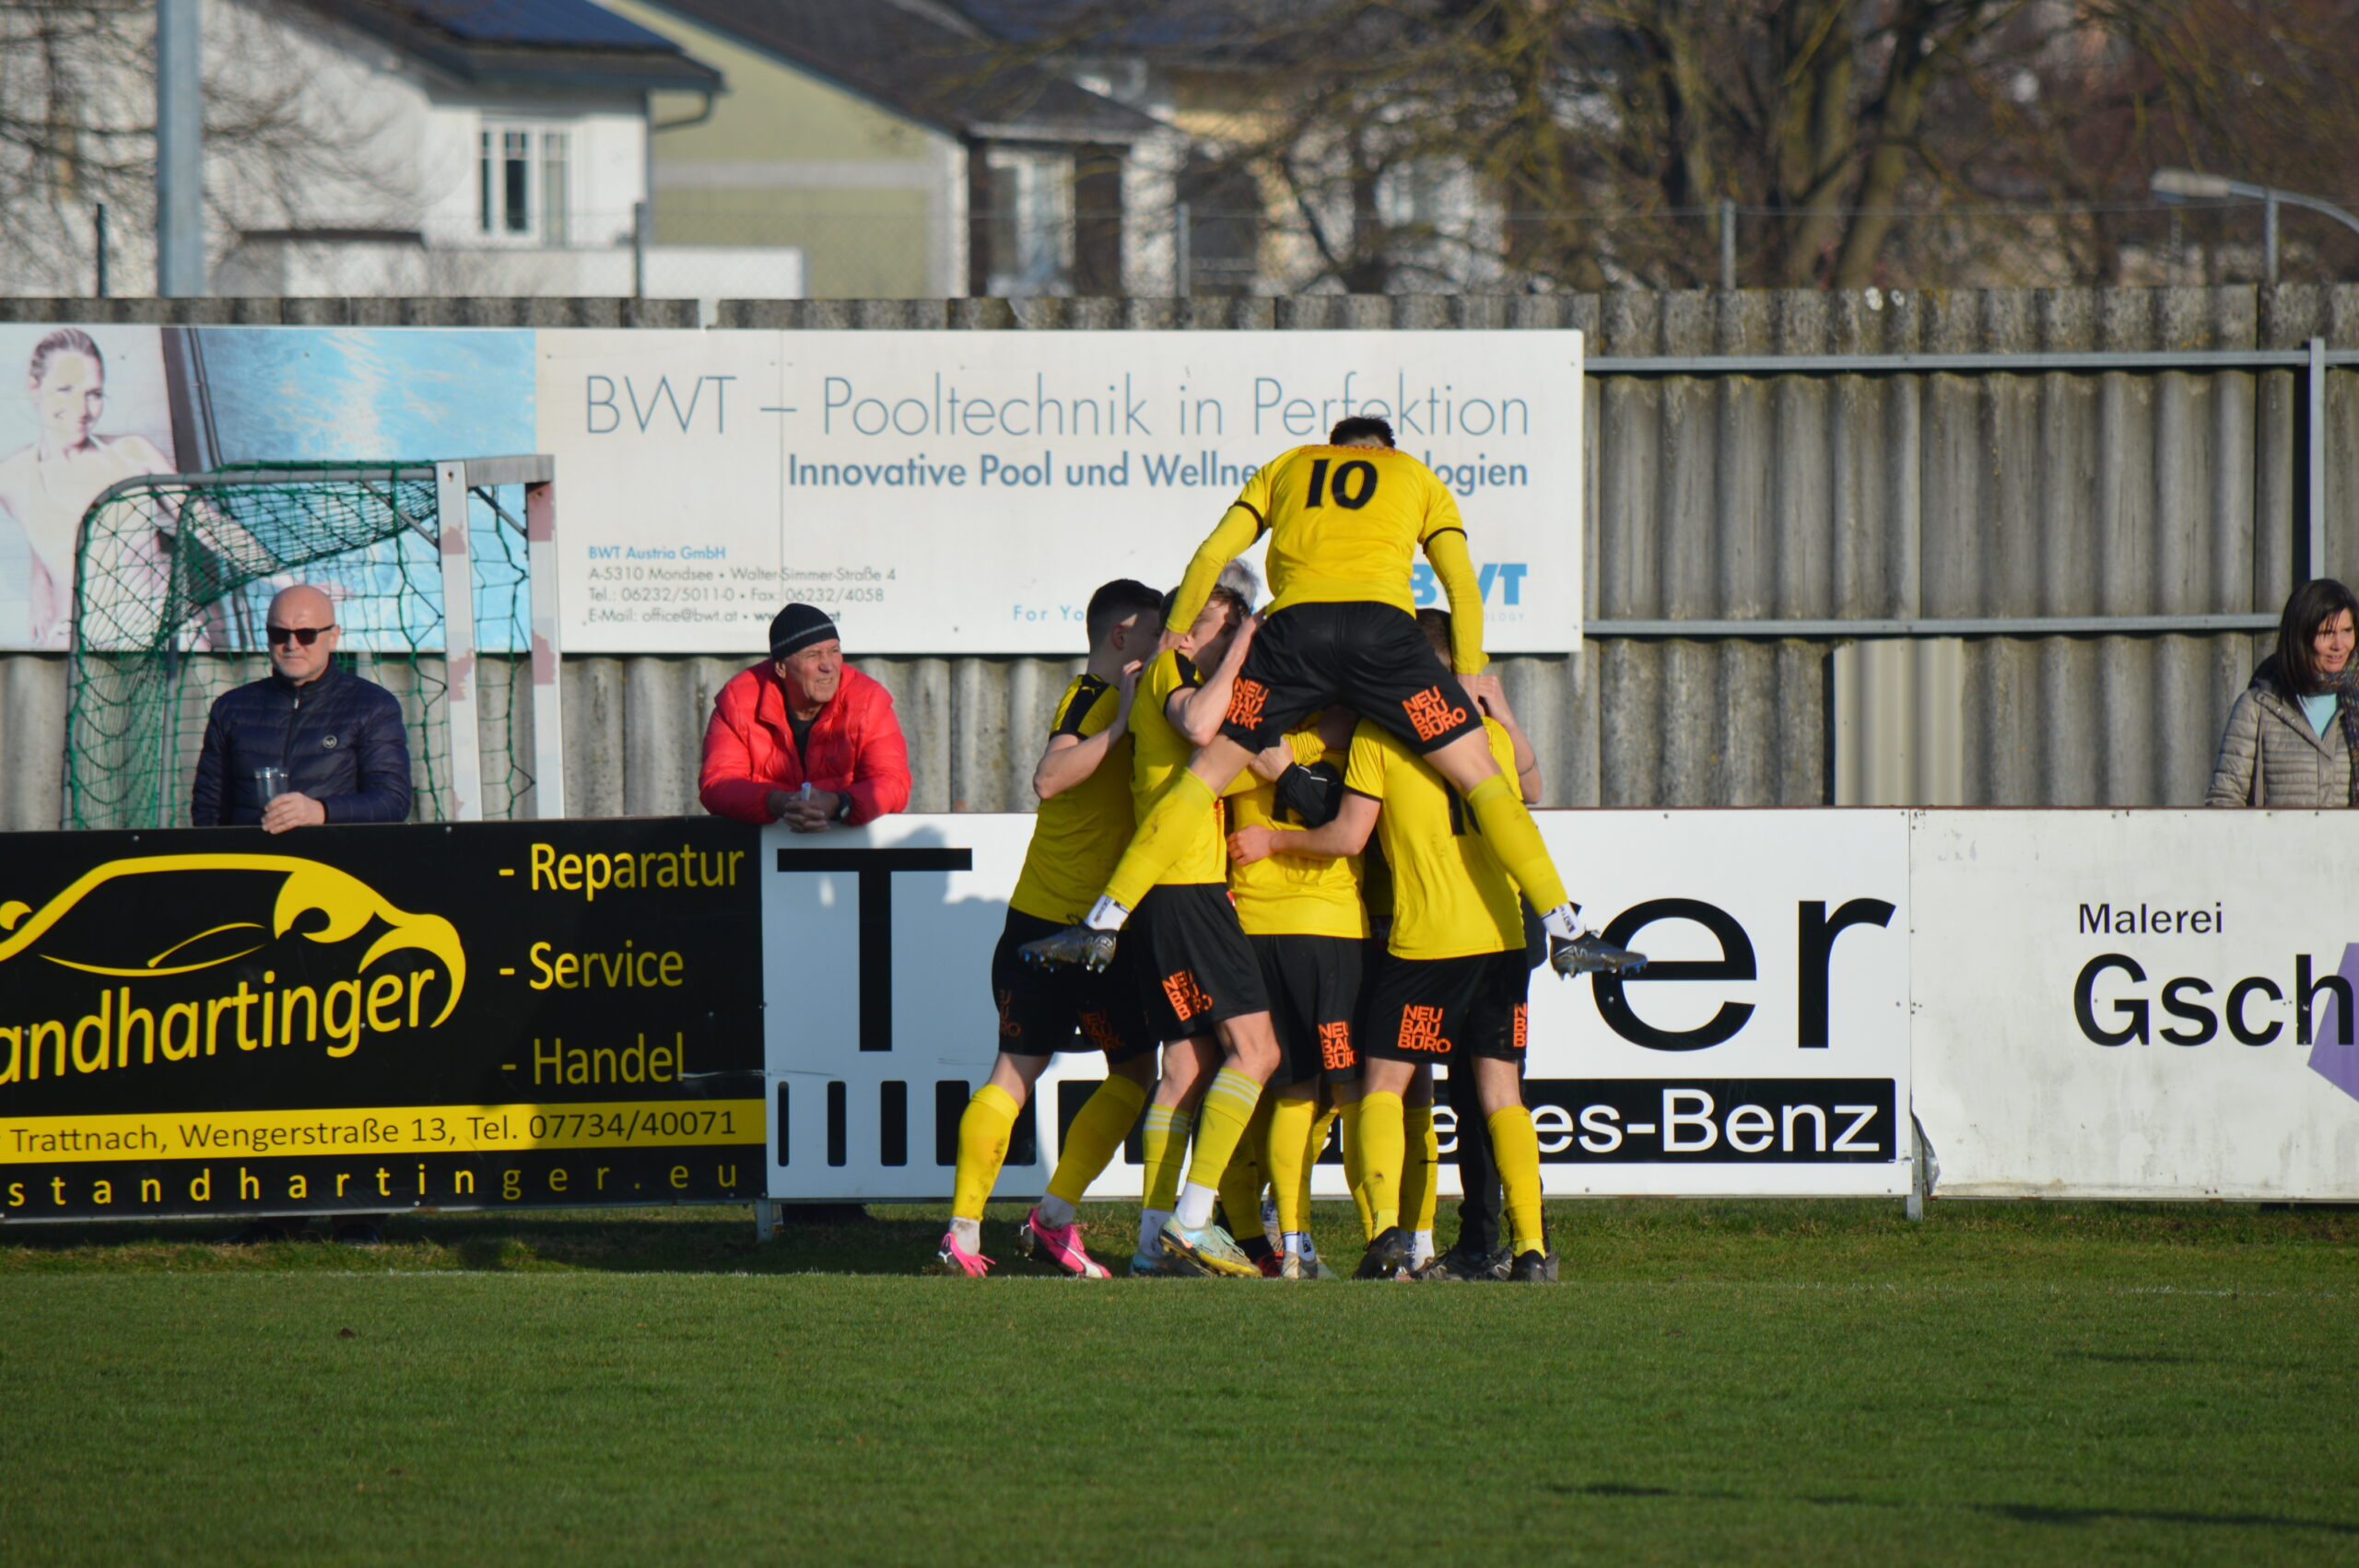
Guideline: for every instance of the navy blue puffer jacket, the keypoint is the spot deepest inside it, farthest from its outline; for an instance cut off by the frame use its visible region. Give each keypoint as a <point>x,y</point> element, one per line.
<point>339,737</point>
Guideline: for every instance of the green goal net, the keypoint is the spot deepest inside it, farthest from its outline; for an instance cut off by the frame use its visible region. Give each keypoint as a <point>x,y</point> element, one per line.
<point>173,576</point>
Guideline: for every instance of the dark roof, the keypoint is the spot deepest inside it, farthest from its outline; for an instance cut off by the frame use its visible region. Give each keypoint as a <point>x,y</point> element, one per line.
<point>1183,30</point>
<point>528,42</point>
<point>921,66</point>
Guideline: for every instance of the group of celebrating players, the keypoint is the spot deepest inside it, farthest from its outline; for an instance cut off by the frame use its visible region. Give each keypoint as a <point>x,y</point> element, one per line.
<point>1253,981</point>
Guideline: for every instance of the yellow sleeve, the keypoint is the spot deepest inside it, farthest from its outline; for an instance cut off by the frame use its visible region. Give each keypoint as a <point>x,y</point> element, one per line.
<point>1456,569</point>
<point>1441,509</point>
<point>1240,527</point>
<point>1365,773</point>
<point>1503,751</point>
<point>1305,745</point>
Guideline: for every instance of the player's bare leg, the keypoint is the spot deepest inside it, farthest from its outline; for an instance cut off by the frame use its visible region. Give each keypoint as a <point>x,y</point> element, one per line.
<point>1170,826</point>
<point>1514,838</point>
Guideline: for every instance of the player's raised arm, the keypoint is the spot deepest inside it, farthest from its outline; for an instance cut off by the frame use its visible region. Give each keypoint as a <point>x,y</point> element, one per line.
<point>1244,522</point>
<point>1446,548</point>
<point>1069,758</point>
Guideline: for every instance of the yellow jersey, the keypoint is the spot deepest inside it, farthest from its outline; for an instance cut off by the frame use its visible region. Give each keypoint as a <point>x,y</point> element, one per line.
<point>1079,833</point>
<point>1345,523</point>
<point>1451,899</point>
<point>1162,751</point>
<point>1293,895</point>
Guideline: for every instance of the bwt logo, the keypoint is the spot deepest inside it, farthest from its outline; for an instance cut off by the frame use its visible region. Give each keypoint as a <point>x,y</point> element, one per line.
<point>1508,574</point>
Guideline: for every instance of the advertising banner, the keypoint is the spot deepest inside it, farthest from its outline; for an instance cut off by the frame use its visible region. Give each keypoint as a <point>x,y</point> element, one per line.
<point>956,492</point>
<point>1765,1051</point>
<point>108,402</point>
<point>936,492</point>
<point>363,1019</point>
<point>2148,1004</point>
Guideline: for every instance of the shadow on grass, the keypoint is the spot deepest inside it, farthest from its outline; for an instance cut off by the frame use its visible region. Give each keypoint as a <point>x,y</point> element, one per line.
<point>2022,1513</point>
<point>838,1239</point>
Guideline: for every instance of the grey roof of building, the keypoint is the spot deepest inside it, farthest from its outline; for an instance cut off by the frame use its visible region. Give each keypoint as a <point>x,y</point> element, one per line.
<point>541,44</point>
<point>919,64</point>
<point>1167,27</point>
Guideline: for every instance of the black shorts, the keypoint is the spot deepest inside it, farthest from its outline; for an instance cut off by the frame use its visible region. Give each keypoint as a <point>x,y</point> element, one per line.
<point>1047,1008</point>
<point>1314,986</point>
<point>1194,967</point>
<point>1369,657</point>
<point>1432,1009</point>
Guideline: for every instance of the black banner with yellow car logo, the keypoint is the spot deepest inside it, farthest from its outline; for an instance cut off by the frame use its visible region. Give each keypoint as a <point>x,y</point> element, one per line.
<point>361,1019</point>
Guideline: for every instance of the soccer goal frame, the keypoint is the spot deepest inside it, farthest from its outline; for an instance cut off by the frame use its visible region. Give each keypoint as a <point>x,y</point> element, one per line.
<point>455,483</point>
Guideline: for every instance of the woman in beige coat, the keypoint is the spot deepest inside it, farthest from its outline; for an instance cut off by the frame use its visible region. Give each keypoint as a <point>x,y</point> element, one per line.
<point>2294,732</point>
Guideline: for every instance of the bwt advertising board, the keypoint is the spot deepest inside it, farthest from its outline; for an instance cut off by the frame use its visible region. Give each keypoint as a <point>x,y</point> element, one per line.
<point>363,1019</point>
<point>2150,1004</point>
<point>1765,1052</point>
<point>936,492</point>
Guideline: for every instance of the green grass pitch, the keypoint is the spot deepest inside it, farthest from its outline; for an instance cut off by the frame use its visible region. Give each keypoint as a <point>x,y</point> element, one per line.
<point>1713,1383</point>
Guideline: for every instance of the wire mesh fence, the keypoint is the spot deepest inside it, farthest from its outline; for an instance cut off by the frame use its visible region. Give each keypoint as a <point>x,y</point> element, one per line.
<point>173,578</point>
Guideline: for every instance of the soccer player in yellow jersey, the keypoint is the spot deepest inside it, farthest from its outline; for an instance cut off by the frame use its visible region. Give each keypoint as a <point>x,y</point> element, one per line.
<point>1084,782</point>
<point>1343,521</point>
<point>1308,927</point>
<point>1199,983</point>
<point>1451,989</point>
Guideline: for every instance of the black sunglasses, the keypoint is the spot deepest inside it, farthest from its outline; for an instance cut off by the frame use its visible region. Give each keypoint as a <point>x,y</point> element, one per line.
<point>280,636</point>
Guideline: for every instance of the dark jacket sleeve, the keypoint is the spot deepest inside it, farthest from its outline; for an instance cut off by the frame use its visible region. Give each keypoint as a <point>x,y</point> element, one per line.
<point>207,806</point>
<point>382,793</point>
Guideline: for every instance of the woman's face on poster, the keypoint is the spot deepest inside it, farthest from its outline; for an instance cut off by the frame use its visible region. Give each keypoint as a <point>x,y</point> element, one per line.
<point>69,395</point>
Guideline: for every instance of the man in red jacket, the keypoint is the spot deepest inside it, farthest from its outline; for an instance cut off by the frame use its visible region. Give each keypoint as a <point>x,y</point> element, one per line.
<point>803,739</point>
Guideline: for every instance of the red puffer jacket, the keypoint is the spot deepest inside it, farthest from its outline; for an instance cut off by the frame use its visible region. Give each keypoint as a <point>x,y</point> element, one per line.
<point>856,748</point>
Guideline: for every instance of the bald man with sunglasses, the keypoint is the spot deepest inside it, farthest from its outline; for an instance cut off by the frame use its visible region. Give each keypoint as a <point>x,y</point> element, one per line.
<point>337,739</point>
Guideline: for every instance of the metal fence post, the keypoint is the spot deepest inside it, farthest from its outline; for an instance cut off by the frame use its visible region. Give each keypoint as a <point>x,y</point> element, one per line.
<point>180,149</point>
<point>1728,244</point>
<point>100,237</point>
<point>459,641</point>
<point>548,652</point>
<point>2268,235</point>
<point>2315,480</point>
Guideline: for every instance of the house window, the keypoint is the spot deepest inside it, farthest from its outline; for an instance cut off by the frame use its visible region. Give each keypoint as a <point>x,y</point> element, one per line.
<point>1030,231</point>
<point>521,183</point>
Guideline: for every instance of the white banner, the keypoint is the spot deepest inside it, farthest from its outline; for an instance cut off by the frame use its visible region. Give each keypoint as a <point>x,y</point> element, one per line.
<point>2111,1004</point>
<point>1766,1053</point>
<point>961,492</point>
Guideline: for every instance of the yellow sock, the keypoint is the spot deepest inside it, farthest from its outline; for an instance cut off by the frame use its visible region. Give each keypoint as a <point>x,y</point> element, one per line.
<point>1096,1132</point>
<point>1286,1156</point>
<point>1514,838</point>
<point>1241,1184</point>
<point>1421,1169</point>
<point>1383,1138</point>
<point>1163,1142</point>
<point>1355,1168</point>
<point>1515,1147</point>
<point>1221,1124</point>
<point>1164,833</point>
<point>1312,1147</point>
<point>982,1149</point>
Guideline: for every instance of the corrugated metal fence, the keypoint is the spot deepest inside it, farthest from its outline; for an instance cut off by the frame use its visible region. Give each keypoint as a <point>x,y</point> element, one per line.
<point>1734,511</point>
